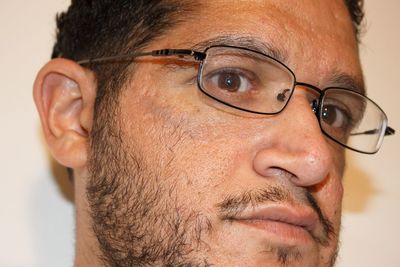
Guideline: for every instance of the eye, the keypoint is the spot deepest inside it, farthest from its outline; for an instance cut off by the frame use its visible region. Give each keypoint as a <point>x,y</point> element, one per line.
<point>231,80</point>
<point>337,117</point>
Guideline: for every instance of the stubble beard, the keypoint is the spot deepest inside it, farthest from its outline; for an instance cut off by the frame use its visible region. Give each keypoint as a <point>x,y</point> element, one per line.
<point>137,221</point>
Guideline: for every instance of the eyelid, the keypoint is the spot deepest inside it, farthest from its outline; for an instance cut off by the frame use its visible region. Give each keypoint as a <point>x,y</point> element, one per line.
<point>235,70</point>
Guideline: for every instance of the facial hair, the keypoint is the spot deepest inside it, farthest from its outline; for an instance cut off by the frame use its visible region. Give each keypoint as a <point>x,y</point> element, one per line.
<point>137,220</point>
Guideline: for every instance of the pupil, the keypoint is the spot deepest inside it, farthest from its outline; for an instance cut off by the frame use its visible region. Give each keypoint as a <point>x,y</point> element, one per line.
<point>229,81</point>
<point>329,115</point>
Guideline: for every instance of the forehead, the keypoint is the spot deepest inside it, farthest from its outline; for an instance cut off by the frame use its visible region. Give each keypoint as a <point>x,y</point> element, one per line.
<point>315,36</point>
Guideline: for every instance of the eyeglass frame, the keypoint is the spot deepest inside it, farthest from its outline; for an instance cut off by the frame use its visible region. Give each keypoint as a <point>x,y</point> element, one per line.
<point>201,56</point>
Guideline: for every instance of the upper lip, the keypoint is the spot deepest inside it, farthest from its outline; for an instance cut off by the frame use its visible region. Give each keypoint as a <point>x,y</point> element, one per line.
<point>303,217</point>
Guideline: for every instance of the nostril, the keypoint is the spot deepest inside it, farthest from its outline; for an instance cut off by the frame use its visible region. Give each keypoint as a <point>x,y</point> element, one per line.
<point>276,171</point>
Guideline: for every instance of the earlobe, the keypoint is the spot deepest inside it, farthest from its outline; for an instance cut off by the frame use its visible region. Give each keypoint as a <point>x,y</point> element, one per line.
<point>64,95</point>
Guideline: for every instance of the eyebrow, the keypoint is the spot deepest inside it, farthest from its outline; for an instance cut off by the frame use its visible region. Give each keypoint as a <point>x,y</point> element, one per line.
<point>344,80</point>
<point>249,42</point>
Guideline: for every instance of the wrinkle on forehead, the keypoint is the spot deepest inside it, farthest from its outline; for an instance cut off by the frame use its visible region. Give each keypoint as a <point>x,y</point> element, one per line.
<point>305,12</point>
<point>315,19</point>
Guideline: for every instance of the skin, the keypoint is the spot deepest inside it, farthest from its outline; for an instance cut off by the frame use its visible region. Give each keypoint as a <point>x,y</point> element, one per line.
<point>198,153</point>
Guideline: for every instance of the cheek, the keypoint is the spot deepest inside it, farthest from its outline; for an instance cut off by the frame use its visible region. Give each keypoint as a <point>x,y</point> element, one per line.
<point>185,142</point>
<point>207,157</point>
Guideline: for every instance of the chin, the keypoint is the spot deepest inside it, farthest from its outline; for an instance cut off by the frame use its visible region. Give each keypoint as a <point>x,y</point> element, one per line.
<point>244,245</point>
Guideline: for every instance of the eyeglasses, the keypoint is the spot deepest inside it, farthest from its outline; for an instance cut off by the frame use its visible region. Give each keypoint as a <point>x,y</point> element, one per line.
<point>254,82</point>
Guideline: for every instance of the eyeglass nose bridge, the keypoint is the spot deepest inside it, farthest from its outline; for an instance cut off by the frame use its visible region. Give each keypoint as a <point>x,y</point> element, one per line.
<point>315,103</point>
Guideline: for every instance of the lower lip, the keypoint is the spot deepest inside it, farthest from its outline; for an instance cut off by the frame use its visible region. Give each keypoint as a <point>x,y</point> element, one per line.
<point>282,231</point>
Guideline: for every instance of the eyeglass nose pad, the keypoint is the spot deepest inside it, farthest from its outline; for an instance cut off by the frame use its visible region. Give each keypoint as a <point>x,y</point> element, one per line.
<point>314,106</point>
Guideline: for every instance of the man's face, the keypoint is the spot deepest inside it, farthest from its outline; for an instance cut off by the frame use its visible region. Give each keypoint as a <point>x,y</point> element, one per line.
<point>186,180</point>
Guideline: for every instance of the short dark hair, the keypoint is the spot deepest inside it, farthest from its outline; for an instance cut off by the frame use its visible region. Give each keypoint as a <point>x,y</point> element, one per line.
<point>356,10</point>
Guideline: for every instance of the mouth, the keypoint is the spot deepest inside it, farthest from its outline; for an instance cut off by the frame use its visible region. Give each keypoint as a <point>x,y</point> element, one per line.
<point>282,223</point>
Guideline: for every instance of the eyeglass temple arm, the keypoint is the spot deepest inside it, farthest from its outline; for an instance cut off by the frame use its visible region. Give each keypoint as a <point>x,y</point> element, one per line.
<point>388,131</point>
<point>155,53</point>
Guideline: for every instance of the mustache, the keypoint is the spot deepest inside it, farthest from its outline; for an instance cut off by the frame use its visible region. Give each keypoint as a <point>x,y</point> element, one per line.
<point>233,205</point>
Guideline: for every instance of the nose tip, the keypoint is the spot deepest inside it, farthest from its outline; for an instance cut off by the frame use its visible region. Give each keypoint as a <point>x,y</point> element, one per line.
<point>302,154</point>
<point>303,167</point>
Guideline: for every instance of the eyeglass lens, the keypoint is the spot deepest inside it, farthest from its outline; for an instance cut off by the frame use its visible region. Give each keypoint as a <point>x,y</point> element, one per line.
<point>353,120</point>
<point>253,82</point>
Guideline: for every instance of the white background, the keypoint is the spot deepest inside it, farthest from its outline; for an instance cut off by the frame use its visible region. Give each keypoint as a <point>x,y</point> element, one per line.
<point>37,216</point>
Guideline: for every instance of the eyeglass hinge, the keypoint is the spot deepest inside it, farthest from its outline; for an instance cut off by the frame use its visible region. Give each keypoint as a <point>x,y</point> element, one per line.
<point>179,52</point>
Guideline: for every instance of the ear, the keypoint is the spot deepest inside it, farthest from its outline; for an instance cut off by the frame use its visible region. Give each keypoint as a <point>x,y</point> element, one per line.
<point>64,95</point>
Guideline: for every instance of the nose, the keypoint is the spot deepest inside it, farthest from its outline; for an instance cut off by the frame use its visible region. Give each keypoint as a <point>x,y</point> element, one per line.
<point>296,147</point>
